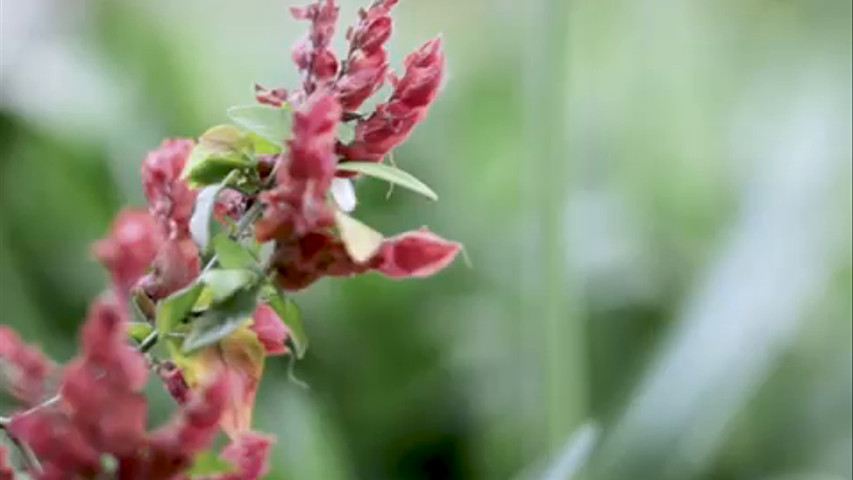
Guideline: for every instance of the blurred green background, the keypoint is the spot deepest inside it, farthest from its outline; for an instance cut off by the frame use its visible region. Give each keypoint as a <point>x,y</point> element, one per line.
<point>655,196</point>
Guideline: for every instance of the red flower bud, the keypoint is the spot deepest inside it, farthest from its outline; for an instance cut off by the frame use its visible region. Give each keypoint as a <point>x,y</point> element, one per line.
<point>416,254</point>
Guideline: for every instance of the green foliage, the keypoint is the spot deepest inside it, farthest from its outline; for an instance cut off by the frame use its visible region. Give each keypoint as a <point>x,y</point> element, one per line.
<point>225,283</point>
<point>272,124</point>
<point>390,174</point>
<point>221,319</point>
<point>172,310</point>
<point>231,254</point>
<point>207,464</point>
<point>139,331</point>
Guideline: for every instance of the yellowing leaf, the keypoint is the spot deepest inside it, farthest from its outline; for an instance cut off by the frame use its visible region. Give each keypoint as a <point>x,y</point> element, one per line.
<point>243,355</point>
<point>223,138</point>
<point>360,241</point>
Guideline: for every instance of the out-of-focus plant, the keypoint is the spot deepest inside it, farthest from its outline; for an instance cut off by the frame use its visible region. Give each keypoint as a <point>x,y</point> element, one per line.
<point>235,221</point>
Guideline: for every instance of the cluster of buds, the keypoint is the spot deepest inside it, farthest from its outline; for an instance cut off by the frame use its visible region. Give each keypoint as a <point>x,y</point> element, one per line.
<point>88,418</point>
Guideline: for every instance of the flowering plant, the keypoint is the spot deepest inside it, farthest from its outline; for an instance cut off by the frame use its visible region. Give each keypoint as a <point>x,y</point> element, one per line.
<point>235,221</point>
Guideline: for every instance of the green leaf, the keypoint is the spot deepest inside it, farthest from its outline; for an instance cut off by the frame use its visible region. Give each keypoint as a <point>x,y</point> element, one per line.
<point>207,464</point>
<point>389,174</point>
<point>223,139</point>
<point>289,313</point>
<point>213,170</point>
<point>360,241</point>
<point>139,331</point>
<point>201,222</point>
<point>231,254</point>
<point>220,150</point>
<point>172,310</point>
<point>222,284</point>
<point>262,146</point>
<point>221,319</point>
<point>270,123</point>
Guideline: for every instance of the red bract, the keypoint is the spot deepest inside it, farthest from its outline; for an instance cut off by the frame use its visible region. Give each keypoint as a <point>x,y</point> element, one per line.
<point>297,204</point>
<point>312,55</point>
<point>102,412</point>
<point>365,70</point>
<point>300,262</point>
<point>6,472</point>
<point>250,455</point>
<point>176,266</point>
<point>393,122</point>
<point>229,204</point>
<point>170,200</point>
<point>129,250</point>
<point>25,369</point>
<point>171,449</point>
<point>271,330</point>
<point>416,254</point>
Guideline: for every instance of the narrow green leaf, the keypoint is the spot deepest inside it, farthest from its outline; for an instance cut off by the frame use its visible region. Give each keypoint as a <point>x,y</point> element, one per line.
<point>139,331</point>
<point>231,254</point>
<point>289,313</point>
<point>201,222</point>
<point>207,464</point>
<point>361,242</point>
<point>221,319</point>
<point>389,174</point>
<point>270,123</point>
<point>173,309</point>
<point>222,284</point>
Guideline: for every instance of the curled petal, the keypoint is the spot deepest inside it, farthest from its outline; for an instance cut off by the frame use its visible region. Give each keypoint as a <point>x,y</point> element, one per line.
<point>416,254</point>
